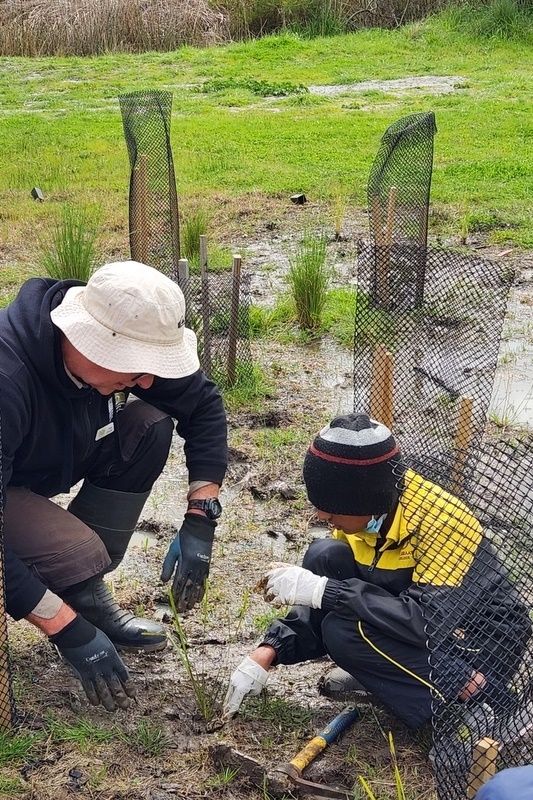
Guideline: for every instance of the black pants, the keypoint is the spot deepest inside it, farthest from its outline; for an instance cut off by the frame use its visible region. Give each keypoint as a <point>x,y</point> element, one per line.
<point>393,671</point>
<point>58,546</point>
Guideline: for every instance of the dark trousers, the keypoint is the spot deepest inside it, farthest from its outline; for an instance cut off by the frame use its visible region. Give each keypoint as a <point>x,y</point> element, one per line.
<point>58,546</point>
<point>394,672</point>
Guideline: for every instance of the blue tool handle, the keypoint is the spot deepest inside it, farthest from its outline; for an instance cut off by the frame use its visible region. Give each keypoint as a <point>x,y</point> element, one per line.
<point>348,715</point>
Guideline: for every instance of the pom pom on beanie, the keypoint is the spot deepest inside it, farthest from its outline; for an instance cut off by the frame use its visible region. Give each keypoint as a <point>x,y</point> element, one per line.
<point>348,469</point>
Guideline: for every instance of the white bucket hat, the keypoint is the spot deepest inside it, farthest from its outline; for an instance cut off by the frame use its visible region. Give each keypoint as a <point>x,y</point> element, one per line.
<point>129,318</point>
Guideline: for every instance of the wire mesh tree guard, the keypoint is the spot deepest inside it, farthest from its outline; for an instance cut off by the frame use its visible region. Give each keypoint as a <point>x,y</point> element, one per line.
<point>153,198</point>
<point>7,707</point>
<point>478,615</point>
<point>427,336</point>
<point>398,199</point>
<point>217,304</point>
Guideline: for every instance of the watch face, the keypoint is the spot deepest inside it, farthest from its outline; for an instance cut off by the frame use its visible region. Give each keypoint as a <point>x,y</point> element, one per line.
<point>211,506</point>
<point>213,509</point>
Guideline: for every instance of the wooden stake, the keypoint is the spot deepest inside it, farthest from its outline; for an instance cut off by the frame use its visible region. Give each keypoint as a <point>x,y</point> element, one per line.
<point>183,283</point>
<point>6,708</point>
<point>233,334</point>
<point>463,434</point>
<point>376,220</point>
<point>483,766</point>
<point>391,210</point>
<point>382,386</point>
<point>206,311</point>
<point>140,235</point>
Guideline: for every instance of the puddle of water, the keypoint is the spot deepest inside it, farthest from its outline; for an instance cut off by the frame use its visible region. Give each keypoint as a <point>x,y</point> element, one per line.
<point>512,397</point>
<point>142,539</point>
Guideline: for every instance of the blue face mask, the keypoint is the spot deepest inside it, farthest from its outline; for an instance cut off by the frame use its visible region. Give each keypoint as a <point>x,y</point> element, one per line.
<point>374,525</point>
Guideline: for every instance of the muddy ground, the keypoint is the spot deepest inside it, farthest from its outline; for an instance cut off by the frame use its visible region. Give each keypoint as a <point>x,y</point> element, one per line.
<point>162,749</point>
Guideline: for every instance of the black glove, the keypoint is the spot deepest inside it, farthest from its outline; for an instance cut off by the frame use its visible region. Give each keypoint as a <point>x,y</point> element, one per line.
<point>190,553</point>
<point>94,660</point>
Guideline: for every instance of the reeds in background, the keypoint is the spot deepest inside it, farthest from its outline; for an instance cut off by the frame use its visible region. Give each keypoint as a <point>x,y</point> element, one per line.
<point>88,27</point>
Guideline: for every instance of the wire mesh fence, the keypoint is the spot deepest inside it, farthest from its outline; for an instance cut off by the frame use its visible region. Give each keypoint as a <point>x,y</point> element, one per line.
<point>474,559</point>
<point>153,199</point>
<point>218,309</point>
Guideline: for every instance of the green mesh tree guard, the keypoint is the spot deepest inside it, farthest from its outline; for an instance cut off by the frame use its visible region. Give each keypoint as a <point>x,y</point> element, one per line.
<point>398,199</point>
<point>153,199</point>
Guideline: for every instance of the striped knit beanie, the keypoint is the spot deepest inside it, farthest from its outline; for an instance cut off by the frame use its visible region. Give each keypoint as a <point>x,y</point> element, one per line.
<point>348,469</point>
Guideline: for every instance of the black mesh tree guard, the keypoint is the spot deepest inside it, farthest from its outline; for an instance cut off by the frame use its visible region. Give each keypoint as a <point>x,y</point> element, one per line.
<point>398,198</point>
<point>153,199</point>
<point>427,370</point>
<point>7,708</point>
<point>427,336</point>
<point>477,601</point>
<point>217,304</point>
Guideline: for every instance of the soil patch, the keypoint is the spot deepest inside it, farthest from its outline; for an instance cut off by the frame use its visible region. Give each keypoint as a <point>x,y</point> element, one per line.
<point>430,84</point>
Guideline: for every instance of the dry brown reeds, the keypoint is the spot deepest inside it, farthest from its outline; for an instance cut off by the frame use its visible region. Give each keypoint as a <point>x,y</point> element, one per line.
<point>89,27</point>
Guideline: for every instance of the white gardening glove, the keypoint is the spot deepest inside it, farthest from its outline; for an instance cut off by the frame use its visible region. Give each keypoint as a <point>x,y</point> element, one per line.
<point>294,586</point>
<point>248,679</point>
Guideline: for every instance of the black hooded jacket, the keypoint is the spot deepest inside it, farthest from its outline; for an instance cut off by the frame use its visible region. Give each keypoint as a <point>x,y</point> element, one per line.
<point>48,424</point>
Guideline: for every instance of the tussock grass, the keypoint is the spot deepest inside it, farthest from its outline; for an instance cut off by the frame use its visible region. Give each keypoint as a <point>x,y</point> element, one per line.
<point>309,276</point>
<point>88,27</point>
<point>194,225</point>
<point>71,250</point>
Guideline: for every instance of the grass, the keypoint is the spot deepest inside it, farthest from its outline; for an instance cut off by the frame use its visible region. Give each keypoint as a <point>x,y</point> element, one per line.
<point>62,129</point>
<point>194,225</point>
<point>71,249</point>
<point>308,278</point>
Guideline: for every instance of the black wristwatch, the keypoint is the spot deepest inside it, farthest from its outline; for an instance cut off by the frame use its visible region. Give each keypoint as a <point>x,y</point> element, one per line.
<point>210,506</point>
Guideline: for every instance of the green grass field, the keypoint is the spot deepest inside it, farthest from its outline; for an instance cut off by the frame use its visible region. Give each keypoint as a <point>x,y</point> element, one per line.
<point>61,127</point>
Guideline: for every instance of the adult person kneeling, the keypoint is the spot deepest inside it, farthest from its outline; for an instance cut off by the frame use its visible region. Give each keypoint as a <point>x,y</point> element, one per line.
<point>91,378</point>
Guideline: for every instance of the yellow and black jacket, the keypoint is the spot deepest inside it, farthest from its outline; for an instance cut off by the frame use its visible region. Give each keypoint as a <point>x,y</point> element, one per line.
<point>434,578</point>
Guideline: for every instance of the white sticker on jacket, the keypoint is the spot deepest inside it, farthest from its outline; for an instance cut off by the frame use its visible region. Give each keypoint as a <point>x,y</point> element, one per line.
<point>105,431</point>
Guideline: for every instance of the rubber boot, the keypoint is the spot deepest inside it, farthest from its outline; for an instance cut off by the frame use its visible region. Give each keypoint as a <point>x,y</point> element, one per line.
<point>113,515</point>
<point>96,604</point>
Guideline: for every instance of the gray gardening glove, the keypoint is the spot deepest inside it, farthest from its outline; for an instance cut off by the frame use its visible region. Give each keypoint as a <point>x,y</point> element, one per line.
<point>94,660</point>
<point>190,554</point>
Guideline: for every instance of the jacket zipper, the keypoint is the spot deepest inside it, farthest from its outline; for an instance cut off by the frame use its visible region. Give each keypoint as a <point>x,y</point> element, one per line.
<point>375,561</point>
